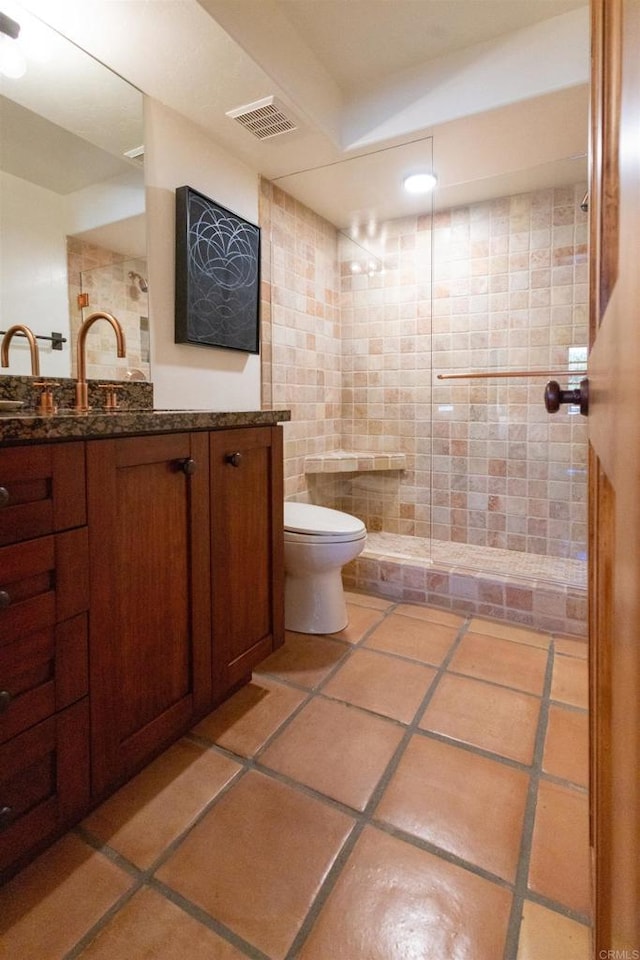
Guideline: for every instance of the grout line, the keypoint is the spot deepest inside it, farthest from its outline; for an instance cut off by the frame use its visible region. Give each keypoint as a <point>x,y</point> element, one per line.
<point>326,890</point>
<point>197,913</point>
<point>560,908</point>
<point>412,728</point>
<point>428,847</point>
<point>475,749</point>
<point>526,841</point>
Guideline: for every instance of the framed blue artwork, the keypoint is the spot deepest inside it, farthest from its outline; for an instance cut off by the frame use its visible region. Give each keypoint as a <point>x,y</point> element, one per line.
<point>217,275</point>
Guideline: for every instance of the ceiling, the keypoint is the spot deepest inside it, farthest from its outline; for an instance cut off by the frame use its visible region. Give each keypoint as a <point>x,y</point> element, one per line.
<point>498,88</point>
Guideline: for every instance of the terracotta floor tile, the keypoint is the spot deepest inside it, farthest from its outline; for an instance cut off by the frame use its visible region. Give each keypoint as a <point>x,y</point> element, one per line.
<point>501,661</point>
<point>396,902</point>
<point>507,631</point>
<point>571,647</point>
<point>246,721</point>
<point>365,600</point>
<point>304,660</point>
<point>411,637</point>
<point>150,811</point>
<point>546,935</point>
<point>443,794</point>
<point>566,749</point>
<point>493,718</point>
<point>559,866</point>
<point>570,682</point>
<point>150,926</point>
<point>45,909</point>
<point>257,859</point>
<point>430,614</point>
<point>382,684</point>
<point>339,750</point>
<point>361,619</point>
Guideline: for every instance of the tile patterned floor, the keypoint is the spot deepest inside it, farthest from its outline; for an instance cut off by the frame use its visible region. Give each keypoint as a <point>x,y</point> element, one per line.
<point>413,788</point>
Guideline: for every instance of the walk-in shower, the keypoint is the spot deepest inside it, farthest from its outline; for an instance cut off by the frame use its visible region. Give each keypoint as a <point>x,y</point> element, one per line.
<point>413,353</point>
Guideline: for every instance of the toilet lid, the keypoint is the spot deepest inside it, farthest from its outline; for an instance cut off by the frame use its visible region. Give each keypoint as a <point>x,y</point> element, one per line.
<point>309,518</point>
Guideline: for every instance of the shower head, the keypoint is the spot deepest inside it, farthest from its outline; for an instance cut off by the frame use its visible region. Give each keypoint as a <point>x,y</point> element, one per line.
<point>137,278</point>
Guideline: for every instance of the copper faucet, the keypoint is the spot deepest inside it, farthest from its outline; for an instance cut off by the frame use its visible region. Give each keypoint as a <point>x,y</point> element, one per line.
<point>33,347</point>
<point>82,393</point>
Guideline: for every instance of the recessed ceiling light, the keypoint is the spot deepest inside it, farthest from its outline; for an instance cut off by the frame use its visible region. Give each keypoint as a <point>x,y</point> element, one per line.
<point>419,182</point>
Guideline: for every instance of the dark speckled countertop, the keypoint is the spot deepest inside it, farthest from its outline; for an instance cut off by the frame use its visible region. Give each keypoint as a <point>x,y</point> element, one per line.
<point>135,417</point>
<point>69,425</point>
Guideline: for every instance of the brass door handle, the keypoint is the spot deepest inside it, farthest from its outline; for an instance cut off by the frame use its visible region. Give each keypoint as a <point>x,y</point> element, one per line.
<point>554,397</point>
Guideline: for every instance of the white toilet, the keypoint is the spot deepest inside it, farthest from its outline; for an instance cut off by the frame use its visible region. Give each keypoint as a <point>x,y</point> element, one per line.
<point>317,544</point>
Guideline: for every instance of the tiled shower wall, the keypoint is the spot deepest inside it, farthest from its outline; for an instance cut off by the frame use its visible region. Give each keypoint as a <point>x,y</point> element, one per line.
<point>104,276</point>
<point>301,348</point>
<point>509,292</point>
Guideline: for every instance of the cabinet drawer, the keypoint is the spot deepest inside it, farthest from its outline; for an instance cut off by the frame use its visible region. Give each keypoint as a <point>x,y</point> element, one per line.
<point>42,673</point>
<point>44,781</point>
<point>42,582</point>
<point>42,490</point>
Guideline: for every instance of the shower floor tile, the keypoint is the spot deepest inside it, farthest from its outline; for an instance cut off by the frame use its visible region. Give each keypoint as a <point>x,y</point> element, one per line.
<point>349,803</point>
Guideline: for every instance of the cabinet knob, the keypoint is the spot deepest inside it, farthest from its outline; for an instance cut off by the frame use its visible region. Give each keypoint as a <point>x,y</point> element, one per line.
<point>5,599</point>
<point>5,700</point>
<point>188,466</point>
<point>6,816</point>
<point>235,459</point>
<point>4,496</point>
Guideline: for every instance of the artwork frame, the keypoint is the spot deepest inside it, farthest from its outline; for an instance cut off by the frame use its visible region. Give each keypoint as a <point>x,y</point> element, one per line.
<point>217,302</point>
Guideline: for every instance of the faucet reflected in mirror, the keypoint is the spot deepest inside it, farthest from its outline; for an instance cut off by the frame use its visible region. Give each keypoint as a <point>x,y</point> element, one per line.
<point>82,395</point>
<point>21,330</point>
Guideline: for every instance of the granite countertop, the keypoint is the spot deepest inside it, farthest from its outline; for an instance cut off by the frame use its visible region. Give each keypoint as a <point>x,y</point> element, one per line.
<point>31,427</point>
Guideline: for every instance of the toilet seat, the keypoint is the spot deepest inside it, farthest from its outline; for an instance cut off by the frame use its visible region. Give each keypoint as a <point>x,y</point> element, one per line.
<point>309,523</point>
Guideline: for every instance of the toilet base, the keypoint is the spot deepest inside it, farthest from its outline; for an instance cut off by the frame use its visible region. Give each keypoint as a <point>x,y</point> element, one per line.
<point>315,603</point>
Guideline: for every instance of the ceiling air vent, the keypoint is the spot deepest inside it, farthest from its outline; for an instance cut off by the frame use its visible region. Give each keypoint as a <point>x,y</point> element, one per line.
<point>265,118</point>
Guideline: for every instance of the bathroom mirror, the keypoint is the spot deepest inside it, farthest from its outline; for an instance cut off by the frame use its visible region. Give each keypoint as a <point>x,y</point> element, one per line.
<point>72,218</point>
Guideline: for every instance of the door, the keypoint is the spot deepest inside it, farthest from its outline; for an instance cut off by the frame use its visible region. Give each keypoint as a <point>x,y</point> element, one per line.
<point>614,433</point>
<point>150,626</point>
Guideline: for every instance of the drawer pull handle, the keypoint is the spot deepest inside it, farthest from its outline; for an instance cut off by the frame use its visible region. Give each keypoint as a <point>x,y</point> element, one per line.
<point>234,459</point>
<point>4,496</point>
<point>5,599</point>
<point>188,466</point>
<point>6,816</point>
<point>5,700</point>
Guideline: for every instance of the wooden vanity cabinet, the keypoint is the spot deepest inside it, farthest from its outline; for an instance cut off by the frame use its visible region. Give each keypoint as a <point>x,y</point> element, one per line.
<point>44,598</point>
<point>141,580</point>
<point>150,668</point>
<point>246,551</point>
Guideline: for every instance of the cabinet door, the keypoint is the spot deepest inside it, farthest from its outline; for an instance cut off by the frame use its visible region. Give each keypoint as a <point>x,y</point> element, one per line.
<point>246,550</point>
<point>44,783</point>
<point>150,625</point>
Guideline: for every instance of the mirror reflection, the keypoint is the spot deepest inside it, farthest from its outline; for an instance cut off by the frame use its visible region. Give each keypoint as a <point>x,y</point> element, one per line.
<point>72,230</point>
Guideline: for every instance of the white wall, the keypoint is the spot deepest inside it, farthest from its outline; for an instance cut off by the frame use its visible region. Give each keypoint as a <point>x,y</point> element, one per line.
<point>33,278</point>
<point>178,153</point>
